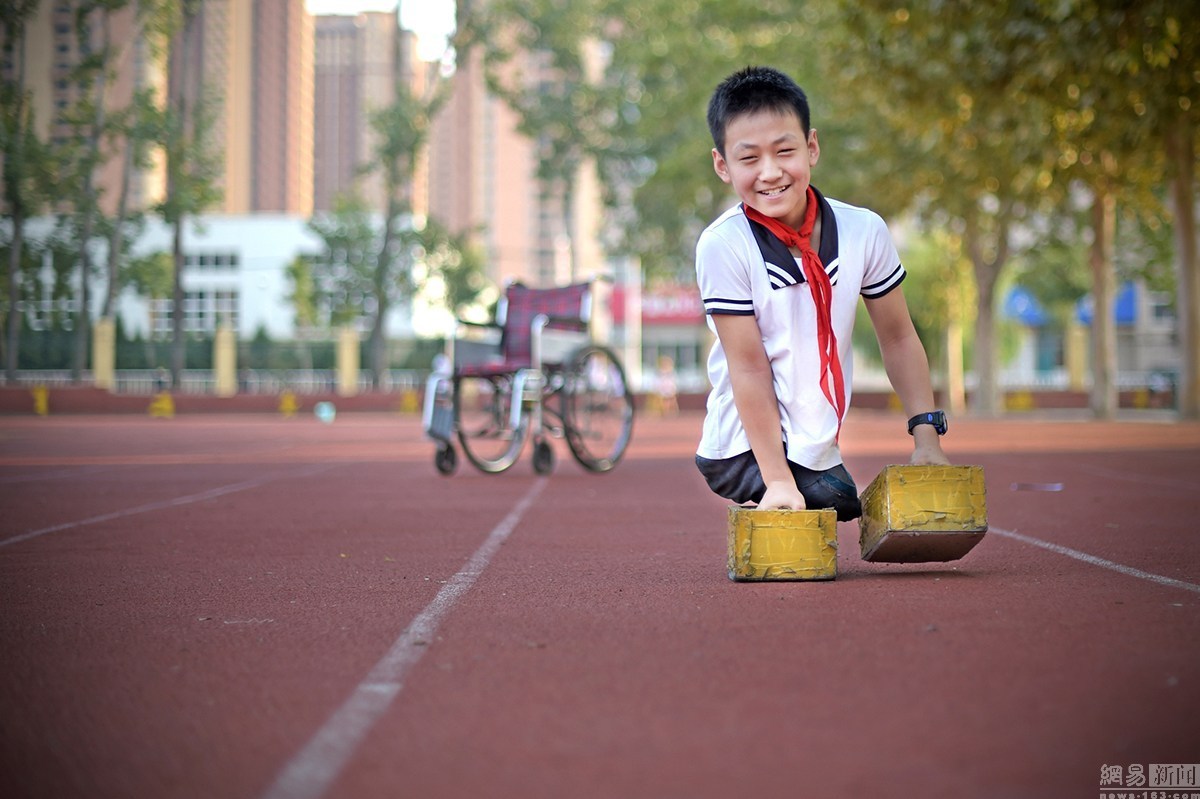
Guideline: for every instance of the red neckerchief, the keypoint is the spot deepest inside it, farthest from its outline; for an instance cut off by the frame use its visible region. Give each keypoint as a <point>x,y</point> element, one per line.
<point>822,293</point>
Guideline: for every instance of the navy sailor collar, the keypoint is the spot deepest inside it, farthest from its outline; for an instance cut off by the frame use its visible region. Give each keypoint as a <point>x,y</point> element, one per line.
<point>779,261</point>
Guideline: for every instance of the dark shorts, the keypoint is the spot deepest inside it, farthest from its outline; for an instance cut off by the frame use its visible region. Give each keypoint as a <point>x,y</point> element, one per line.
<point>739,480</point>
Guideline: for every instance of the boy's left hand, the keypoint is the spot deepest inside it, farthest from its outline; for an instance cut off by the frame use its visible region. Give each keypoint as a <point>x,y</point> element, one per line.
<point>927,448</point>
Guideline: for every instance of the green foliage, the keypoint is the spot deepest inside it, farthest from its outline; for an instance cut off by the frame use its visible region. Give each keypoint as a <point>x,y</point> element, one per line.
<point>627,85</point>
<point>302,293</point>
<point>150,275</point>
<point>345,276</point>
<point>457,265</point>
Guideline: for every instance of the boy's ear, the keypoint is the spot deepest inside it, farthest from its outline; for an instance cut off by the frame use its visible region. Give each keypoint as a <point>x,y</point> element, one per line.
<point>720,167</point>
<point>814,149</point>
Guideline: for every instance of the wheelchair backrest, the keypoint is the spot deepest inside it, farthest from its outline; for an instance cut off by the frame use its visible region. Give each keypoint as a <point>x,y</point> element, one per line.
<point>569,308</point>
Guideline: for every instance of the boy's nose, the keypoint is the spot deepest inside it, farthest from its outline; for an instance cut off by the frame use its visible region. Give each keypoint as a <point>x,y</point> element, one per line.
<point>769,169</point>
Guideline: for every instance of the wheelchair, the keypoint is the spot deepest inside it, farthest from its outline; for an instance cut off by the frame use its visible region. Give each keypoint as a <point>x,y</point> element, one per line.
<point>536,372</point>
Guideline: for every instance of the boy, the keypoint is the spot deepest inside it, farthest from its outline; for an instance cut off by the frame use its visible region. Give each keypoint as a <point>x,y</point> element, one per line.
<point>780,275</point>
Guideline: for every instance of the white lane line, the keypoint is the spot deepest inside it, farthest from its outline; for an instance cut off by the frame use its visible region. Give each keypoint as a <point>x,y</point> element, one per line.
<point>1128,571</point>
<point>213,493</point>
<point>315,767</point>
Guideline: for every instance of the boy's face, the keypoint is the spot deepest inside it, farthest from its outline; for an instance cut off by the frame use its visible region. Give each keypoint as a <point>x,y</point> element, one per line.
<point>769,162</point>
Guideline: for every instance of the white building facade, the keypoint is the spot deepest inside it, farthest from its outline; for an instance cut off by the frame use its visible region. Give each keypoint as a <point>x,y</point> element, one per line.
<point>235,274</point>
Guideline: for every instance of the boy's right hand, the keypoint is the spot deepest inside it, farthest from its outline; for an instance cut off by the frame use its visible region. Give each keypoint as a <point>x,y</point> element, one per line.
<point>782,494</point>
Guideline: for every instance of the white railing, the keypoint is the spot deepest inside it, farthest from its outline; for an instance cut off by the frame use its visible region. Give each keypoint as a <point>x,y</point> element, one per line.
<point>202,381</point>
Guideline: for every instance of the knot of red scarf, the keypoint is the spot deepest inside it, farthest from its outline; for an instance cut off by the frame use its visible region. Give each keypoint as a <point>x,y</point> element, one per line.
<point>822,293</point>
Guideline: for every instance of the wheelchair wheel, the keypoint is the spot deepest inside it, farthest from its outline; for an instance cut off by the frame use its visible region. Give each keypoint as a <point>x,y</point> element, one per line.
<point>597,408</point>
<point>543,456</point>
<point>445,460</point>
<point>483,409</point>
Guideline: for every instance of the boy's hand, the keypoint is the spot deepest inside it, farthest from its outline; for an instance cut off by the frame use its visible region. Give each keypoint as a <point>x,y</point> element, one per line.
<point>927,448</point>
<point>782,494</point>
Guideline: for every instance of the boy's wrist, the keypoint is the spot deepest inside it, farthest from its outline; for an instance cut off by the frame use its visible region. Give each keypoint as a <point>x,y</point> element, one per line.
<point>926,436</point>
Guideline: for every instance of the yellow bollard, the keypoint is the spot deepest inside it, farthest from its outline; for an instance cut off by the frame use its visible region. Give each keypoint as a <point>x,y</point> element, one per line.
<point>104,354</point>
<point>410,401</point>
<point>919,514</point>
<point>782,544</point>
<point>162,406</point>
<point>1020,401</point>
<point>41,400</point>
<point>288,405</point>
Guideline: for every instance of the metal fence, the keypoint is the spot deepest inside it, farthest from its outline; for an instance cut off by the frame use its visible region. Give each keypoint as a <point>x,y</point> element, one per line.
<point>202,381</point>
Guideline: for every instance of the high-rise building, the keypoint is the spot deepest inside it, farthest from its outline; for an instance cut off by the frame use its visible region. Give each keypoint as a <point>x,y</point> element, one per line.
<point>53,50</point>
<point>254,58</point>
<point>359,60</point>
<point>484,180</point>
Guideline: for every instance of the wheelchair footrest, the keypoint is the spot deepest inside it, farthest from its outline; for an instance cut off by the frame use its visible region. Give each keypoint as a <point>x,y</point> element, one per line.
<point>441,426</point>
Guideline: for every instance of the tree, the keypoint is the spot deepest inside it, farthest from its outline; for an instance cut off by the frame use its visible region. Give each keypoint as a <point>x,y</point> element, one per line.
<point>1150,69</point>
<point>374,272</point>
<point>191,166</point>
<point>135,131</point>
<point>452,261</point>
<point>25,166</point>
<point>946,86</point>
<point>546,67</point>
<point>625,85</point>
<point>82,154</point>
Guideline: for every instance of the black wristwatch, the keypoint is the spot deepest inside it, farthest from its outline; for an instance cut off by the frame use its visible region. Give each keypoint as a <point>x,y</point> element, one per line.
<point>935,418</point>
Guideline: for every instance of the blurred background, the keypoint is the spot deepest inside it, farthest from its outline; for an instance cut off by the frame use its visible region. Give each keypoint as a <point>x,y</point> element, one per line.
<point>294,192</point>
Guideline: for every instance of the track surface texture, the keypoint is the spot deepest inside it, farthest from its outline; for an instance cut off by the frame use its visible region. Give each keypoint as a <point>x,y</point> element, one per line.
<point>248,606</point>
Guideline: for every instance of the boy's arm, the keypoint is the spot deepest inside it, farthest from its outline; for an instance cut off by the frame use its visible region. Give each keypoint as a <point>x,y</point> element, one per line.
<point>907,368</point>
<point>754,396</point>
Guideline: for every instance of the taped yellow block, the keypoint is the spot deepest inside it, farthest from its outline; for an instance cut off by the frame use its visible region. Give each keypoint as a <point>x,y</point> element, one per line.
<point>919,514</point>
<point>782,544</point>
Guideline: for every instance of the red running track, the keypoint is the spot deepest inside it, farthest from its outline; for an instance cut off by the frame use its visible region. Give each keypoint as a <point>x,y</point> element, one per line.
<point>246,606</point>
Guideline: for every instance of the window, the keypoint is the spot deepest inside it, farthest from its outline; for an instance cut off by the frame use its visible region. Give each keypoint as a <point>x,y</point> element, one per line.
<point>203,312</point>
<point>211,261</point>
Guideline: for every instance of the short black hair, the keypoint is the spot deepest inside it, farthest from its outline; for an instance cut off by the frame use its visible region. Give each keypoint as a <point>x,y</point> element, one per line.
<point>751,90</point>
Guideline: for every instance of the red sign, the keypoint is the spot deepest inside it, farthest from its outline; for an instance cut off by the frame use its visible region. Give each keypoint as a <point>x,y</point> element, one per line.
<point>663,305</point>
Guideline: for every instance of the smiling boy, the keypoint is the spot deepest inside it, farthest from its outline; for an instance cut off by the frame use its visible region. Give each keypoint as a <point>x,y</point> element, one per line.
<point>780,275</point>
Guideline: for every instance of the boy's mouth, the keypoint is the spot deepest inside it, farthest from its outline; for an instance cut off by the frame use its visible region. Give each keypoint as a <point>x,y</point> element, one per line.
<point>774,192</point>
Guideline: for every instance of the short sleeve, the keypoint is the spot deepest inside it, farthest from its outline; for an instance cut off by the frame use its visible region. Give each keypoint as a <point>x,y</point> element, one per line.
<point>723,277</point>
<point>883,270</point>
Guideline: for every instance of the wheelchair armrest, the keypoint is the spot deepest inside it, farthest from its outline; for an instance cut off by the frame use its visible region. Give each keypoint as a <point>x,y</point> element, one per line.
<point>474,343</point>
<point>554,338</point>
<point>477,325</point>
<point>564,323</point>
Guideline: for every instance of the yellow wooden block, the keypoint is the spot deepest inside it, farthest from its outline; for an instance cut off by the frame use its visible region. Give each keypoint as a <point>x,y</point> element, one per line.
<point>918,514</point>
<point>782,544</point>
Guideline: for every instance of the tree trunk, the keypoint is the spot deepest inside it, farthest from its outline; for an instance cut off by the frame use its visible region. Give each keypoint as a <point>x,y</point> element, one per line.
<point>180,87</point>
<point>14,185</point>
<point>116,237</point>
<point>377,346</point>
<point>985,401</point>
<point>13,337</point>
<point>83,323</point>
<point>378,349</point>
<point>1104,330</point>
<point>178,343</point>
<point>955,397</point>
<point>1181,149</point>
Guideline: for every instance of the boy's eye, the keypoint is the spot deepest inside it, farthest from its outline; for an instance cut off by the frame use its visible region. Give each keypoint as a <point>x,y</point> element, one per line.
<point>747,159</point>
<point>787,151</point>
